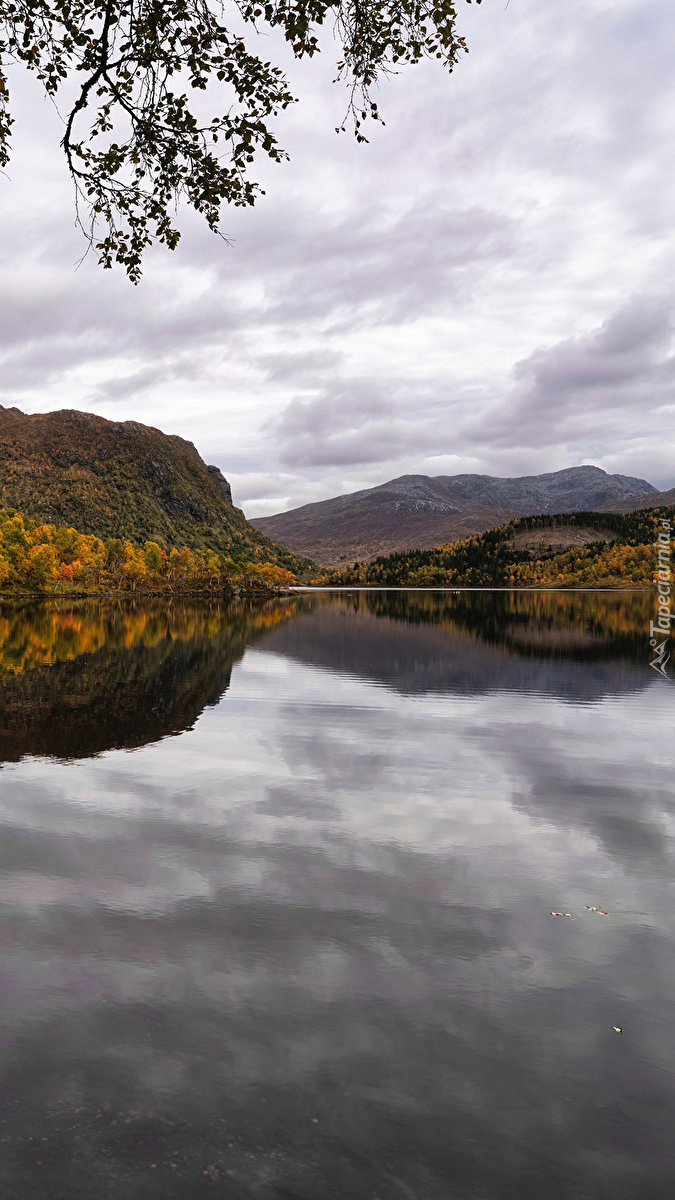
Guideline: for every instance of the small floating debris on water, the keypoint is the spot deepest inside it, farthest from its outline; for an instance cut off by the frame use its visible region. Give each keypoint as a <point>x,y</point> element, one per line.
<point>617,1029</point>
<point>590,907</point>
<point>553,914</point>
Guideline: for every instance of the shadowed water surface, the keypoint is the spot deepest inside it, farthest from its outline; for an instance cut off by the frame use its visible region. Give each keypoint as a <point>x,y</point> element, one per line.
<point>276,887</point>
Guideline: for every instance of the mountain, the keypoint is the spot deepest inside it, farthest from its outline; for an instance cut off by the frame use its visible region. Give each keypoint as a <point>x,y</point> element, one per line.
<point>650,500</point>
<point>422,511</point>
<point>123,479</point>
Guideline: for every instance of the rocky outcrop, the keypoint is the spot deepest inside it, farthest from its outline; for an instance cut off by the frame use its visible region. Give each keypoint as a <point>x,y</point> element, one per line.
<point>221,483</point>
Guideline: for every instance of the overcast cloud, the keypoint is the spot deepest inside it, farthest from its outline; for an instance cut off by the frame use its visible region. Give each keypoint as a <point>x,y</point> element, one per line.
<point>487,286</point>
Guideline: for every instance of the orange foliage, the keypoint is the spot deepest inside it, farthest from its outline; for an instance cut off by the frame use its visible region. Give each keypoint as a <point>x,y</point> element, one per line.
<point>42,558</point>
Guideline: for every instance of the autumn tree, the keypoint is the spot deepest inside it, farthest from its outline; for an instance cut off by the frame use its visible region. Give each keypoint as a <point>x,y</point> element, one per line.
<point>128,75</point>
<point>133,565</point>
<point>42,569</point>
<point>154,559</point>
<point>115,552</point>
<point>41,558</point>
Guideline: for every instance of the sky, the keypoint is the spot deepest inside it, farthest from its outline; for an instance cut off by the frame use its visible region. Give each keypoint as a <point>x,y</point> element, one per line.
<point>487,286</point>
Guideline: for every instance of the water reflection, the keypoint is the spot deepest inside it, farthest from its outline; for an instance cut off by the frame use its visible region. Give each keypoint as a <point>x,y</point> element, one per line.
<point>120,674</point>
<point>580,646</point>
<point>305,950</point>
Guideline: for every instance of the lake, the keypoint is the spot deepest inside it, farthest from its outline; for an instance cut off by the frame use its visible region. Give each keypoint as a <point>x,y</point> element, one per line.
<point>276,897</point>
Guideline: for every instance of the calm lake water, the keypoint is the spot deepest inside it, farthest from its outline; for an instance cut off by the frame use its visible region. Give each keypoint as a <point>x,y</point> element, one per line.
<point>276,887</point>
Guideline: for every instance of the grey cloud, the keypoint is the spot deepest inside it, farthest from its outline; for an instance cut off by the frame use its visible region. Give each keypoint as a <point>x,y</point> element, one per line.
<point>641,323</point>
<point>41,347</point>
<point>37,365</point>
<point>251,486</point>
<point>604,384</point>
<point>390,270</point>
<point>353,421</point>
<point>344,406</point>
<point>628,347</point>
<point>300,368</point>
<point>584,393</point>
<point>122,388</point>
<point>376,442</point>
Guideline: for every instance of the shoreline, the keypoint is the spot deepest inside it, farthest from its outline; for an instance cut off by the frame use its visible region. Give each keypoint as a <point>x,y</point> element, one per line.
<point>459,588</point>
<point>291,589</point>
<point>100,593</point>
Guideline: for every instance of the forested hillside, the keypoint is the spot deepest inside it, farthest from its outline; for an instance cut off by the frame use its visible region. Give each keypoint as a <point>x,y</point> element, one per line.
<point>41,558</point>
<point>605,550</point>
<point>121,479</point>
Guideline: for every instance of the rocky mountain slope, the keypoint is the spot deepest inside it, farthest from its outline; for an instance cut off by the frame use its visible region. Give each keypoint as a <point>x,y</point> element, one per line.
<point>650,500</point>
<point>421,511</point>
<point>123,479</point>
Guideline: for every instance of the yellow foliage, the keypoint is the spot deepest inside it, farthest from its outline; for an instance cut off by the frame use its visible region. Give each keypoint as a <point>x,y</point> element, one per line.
<point>42,558</point>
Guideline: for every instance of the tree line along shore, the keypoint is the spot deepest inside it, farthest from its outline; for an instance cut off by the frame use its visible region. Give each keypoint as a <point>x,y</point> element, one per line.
<point>46,559</point>
<point>528,552</point>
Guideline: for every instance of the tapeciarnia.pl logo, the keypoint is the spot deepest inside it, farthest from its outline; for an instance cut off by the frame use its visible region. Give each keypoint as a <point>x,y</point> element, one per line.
<point>660,629</point>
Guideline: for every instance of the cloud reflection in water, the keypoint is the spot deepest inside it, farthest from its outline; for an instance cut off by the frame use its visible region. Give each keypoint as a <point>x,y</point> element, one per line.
<point>330,898</point>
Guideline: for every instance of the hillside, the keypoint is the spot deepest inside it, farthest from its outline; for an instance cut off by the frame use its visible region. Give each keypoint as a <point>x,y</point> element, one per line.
<point>420,511</point>
<point>41,558</point>
<point>662,499</point>
<point>120,479</point>
<point>583,549</point>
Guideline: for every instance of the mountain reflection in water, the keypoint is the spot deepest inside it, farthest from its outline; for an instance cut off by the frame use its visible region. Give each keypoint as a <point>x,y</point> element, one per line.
<point>298,942</point>
<point>477,642</point>
<point>122,675</point>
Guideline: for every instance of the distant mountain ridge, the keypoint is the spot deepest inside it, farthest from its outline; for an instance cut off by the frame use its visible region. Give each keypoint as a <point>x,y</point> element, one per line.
<point>123,479</point>
<point>422,511</point>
